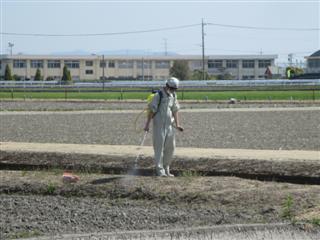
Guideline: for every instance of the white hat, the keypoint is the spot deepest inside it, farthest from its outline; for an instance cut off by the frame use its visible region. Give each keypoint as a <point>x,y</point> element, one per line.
<point>172,82</point>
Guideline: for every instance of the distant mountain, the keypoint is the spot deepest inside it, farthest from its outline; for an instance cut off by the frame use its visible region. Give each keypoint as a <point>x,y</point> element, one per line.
<point>129,52</point>
<point>74,52</point>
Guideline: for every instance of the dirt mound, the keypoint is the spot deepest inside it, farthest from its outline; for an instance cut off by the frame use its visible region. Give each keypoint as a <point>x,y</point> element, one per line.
<point>298,171</point>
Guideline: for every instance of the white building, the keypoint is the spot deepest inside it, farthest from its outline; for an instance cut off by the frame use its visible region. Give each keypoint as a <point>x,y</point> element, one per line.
<point>133,67</point>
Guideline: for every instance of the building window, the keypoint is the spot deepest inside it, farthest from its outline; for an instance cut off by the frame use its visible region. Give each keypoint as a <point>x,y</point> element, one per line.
<point>196,64</point>
<point>89,63</point>
<point>248,63</point>
<point>232,63</point>
<point>314,63</point>
<point>146,64</point>
<point>125,64</point>
<point>89,72</point>
<point>247,77</point>
<point>72,63</point>
<point>19,63</point>
<point>264,63</point>
<point>163,64</point>
<point>53,63</point>
<point>53,78</point>
<point>102,63</point>
<point>214,63</point>
<point>144,77</point>
<point>36,64</point>
<point>111,64</point>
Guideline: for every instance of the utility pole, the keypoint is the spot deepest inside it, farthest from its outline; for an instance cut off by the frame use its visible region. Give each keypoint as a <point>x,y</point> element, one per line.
<point>142,69</point>
<point>103,76</point>
<point>290,59</point>
<point>203,61</point>
<point>10,46</point>
<point>165,47</point>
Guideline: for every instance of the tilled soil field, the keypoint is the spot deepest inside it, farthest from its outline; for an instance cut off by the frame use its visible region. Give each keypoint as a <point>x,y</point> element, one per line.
<point>264,129</point>
<point>35,203</point>
<point>39,203</point>
<point>72,105</point>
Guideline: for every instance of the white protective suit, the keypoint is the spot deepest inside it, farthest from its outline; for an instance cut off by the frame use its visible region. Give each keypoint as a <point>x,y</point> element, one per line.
<point>163,131</point>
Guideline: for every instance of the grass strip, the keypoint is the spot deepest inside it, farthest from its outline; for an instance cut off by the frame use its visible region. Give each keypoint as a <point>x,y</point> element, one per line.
<point>190,95</point>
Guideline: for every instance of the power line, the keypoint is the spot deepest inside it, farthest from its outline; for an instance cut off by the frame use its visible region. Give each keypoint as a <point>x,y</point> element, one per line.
<point>162,1</point>
<point>98,34</point>
<point>263,28</point>
<point>154,30</point>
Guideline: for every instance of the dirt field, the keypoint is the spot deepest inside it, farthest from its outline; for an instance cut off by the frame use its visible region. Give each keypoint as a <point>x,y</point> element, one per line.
<point>38,203</point>
<point>286,129</point>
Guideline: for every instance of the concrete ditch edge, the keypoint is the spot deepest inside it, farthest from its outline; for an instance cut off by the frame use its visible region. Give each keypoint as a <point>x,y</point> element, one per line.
<point>225,231</point>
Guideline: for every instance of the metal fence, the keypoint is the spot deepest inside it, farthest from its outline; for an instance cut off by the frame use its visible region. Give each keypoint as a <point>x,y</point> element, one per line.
<point>156,84</point>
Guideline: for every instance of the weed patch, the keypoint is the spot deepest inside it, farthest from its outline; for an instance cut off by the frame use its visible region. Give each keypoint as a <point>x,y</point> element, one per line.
<point>287,208</point>
<point>51,188</point>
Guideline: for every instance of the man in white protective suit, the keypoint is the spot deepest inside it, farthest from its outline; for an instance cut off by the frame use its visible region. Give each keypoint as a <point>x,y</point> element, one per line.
<point>163,109</point>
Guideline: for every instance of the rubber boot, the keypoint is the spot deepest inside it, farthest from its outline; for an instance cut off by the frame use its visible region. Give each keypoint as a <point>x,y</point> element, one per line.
<point>160,172</point>
<point>167,171</point>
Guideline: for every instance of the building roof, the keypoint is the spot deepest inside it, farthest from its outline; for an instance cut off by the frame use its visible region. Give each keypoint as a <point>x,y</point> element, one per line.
<point>132,57</point>
<point>315,55</point>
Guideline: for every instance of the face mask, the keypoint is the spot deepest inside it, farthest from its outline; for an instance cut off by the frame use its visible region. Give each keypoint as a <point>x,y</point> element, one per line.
<point>171,90</point>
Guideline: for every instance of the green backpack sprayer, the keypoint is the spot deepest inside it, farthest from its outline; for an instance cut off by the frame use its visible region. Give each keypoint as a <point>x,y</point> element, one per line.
<point>147,110</point>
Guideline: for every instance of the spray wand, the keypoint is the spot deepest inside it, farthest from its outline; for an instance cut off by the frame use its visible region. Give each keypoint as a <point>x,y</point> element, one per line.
<point>141,144</point>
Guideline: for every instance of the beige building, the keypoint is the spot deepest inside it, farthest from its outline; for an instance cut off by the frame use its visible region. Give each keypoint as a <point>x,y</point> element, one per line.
<point>92,67</point>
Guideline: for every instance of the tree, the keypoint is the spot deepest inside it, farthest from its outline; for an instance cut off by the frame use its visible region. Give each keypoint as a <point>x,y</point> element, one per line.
<point>198,75</point>
<point>293,71</point>
<point>225,76</point>
<point>66,77</point>
<point>7,75</point>
<point>180,70</point>
<point>16,77</point>
<point>38,75</point>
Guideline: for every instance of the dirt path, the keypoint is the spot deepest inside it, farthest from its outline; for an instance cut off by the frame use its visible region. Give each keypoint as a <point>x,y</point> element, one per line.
<point>289,166</point>
<point>203,110</point>
<point>186,153</point>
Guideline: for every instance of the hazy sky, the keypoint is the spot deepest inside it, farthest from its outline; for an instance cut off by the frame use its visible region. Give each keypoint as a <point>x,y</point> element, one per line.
<point>103,16</point>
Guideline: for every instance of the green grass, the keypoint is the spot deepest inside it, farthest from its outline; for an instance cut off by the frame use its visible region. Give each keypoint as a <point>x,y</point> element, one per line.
<point>315,221</point>
<point>192,95</point>
<point>287,208</point>
<point>50,188</point>
<point>251,95</point>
